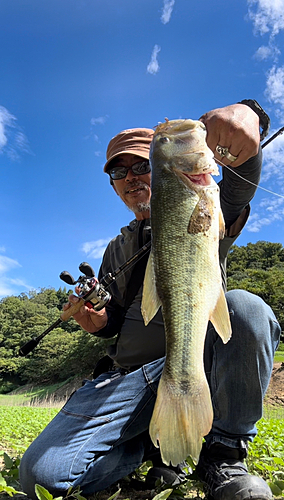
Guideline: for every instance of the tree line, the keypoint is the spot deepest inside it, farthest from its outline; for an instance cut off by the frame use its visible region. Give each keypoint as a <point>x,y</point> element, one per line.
<point>64,352</point>
<point>68,350</point>
<point>259,268</point>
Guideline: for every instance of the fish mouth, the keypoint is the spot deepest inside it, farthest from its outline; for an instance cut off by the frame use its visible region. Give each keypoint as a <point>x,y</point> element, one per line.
<point>199,179</point>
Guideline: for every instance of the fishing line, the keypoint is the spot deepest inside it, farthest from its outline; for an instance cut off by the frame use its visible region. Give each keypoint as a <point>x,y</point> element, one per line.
<point>246,180</point>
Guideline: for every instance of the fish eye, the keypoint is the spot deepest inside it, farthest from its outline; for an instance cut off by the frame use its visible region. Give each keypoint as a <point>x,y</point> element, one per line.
<point>164,139</point>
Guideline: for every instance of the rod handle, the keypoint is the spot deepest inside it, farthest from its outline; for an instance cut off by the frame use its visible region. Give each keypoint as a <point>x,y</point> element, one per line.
<point>28,347</point>
<point>72,310</point>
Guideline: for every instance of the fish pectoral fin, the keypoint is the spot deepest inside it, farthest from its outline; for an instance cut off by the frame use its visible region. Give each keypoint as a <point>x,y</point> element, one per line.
<point>150,299</point>
<point>221,225</point>
<point>201,217</point>
<point>220,318</point>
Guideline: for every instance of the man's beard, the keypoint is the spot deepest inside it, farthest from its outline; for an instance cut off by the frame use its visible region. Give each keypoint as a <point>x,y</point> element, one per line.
<point>139,207</point>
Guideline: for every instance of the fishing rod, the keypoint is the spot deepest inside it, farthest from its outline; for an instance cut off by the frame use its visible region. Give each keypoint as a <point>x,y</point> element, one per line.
<point>92,292</point>
<point>279,132</point>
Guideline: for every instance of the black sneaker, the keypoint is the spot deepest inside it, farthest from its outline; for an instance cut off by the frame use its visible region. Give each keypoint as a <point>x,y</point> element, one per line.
<point>166,474</point>
<point>159,473</point>
<point>226,477</point>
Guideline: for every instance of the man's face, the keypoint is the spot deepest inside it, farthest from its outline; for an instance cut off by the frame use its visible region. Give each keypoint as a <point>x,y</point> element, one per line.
<point>134,190</point>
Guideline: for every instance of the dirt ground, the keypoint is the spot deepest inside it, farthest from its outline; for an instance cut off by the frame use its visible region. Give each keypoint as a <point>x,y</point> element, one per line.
<point>275,393</point>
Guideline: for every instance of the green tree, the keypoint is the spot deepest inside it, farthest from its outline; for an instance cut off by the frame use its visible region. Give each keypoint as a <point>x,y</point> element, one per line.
<point>259,268</point>
<point>64,352</point>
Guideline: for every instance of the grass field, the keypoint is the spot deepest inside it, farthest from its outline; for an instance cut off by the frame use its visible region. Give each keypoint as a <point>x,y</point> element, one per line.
<point>21,424</point>
<point>279,357</point>
<point>23,415</point>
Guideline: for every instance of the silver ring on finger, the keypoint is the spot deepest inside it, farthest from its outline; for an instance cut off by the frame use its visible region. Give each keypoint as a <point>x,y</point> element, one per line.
<point>224,152</point>
<point>230,157</point>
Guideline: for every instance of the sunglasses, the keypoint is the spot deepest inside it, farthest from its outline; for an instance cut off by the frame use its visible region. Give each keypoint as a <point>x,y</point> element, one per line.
<point>139,168</point>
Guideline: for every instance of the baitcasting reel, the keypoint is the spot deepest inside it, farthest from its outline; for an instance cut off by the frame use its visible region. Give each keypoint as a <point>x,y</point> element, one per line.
<point>90,292</point>
<point>88,287</point>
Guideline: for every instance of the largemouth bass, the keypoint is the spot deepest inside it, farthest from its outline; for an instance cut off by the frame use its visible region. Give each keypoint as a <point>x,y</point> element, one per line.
<point>183,276</point>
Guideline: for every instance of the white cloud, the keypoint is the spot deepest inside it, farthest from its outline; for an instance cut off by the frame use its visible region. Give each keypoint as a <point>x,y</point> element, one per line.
<point>9,286</point>
<point>268,19</point>
<point>273,160</point>
<point>153,66</point>
<point>272,205</point>
<point>275,85</point>
<point>100,120</point>
<point>20,283</point>
<point>6,264</point>
<point>12,138</point>
<point>267,16</point>
<point>268,211</point>
<point>5,289</point>
<point>12,286</point>
<point>167,11</point>
<point>267,52</point>
<point>271,208</point>
<point>95,249</point>
<point>6,120</point>
<point>255,226</point>
<point>258,220</point>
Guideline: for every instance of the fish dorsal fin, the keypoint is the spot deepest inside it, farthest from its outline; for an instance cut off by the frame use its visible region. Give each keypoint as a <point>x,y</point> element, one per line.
<point>220,318</point>
<point>150,300</point>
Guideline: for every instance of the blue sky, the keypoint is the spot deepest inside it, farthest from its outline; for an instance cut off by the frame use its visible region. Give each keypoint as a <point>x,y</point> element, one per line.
<point>73,73</point>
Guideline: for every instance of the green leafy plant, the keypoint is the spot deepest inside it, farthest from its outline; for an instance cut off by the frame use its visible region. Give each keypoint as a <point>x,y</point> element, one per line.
<point>266,454</point>
<point>72,494</point>
<point>9,475</point>
<point>75,494</point>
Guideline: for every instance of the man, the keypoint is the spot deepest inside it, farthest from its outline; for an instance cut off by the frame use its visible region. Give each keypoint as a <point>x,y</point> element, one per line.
<point>101,434</point>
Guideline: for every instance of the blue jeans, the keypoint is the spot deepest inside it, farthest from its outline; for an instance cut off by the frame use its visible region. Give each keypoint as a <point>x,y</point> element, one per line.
<point>100,435</point>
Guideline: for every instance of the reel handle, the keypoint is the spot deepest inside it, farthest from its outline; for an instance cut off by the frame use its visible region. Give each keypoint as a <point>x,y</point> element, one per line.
<point>67,278</point>
<point>86,269</point>
<point>72,310</point>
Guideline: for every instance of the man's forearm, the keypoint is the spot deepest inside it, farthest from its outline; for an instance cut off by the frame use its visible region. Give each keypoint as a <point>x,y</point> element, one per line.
<point>236,192</point>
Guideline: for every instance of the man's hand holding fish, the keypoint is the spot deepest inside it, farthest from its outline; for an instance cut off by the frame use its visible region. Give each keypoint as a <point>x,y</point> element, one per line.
<point>241,137</point>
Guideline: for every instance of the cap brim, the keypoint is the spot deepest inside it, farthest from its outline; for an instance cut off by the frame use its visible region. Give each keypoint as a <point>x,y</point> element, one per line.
<point>136,152</point>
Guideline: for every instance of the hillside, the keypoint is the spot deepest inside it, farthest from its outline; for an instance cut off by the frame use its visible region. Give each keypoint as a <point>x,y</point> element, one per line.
<point>274,396</point>
<point>275,393</point>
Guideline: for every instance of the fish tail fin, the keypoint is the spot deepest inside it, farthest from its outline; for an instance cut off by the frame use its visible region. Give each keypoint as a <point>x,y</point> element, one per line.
<point>180,420</point>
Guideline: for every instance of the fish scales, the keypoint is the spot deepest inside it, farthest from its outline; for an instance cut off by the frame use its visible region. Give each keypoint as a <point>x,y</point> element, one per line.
<point>180,261</point>
<point>183,276</point>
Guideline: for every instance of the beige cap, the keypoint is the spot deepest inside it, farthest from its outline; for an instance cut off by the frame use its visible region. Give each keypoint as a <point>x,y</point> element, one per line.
<point>134,141</point>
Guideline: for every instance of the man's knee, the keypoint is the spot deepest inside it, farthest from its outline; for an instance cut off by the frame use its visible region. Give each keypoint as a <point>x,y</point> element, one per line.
<point>241,299</point>
<point>252,317</point>
<point>36,470</point>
